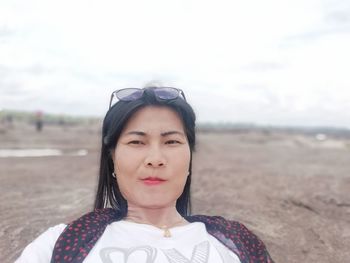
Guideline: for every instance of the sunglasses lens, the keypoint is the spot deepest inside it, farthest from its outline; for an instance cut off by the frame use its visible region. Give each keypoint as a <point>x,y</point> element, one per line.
<point>166,93</point>
<point>129,94</point>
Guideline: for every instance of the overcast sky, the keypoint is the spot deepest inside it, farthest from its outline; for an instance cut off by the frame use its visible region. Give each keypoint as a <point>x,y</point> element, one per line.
<point>273,62</point>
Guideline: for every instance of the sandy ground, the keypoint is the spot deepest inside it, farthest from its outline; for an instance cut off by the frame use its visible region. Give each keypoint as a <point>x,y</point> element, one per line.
<point>291,190</point>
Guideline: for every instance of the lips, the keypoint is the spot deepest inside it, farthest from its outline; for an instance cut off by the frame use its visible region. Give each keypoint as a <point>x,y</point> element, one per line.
<point>153,181</point>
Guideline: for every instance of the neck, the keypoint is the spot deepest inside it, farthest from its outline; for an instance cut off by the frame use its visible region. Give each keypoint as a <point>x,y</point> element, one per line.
<point>165,216</point>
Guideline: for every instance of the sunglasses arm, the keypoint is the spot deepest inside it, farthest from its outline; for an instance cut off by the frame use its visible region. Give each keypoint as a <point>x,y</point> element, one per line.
<point>183,94</point>
<point>110,102</point>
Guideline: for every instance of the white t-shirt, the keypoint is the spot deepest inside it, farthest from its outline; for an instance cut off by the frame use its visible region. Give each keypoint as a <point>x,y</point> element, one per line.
<point>128,242</point>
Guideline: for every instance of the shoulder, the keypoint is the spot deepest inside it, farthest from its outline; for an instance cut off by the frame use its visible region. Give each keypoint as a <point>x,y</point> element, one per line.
<point>236,236</point>
<point>40,250</point>
<point>85,231</point>
<point>90,225</point>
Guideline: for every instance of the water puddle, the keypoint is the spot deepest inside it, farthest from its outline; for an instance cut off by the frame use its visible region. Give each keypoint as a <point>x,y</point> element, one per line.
<point>6,153</point>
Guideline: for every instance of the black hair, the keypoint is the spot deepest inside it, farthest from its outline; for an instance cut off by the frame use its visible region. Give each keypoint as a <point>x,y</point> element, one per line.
<point>108,192</point>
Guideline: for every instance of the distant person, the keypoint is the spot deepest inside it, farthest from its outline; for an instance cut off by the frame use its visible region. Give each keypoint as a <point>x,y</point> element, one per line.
<point>142,205</point>
<point>9,120</point>
<point>39,121</point>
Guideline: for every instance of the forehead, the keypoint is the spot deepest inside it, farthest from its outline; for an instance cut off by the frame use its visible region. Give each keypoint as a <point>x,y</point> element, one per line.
<point>154,118</point>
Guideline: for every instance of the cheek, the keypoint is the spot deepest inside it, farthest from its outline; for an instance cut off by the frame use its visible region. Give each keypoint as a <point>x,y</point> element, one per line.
<point>121,165</point>
<point>124,186</point>
<point>126,161</point>
<point>180,169</point>
<point>183,159</point>
<point>125,166</point>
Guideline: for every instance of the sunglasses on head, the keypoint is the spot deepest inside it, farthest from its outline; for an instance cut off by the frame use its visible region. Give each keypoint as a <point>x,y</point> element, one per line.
<point>131,94</point>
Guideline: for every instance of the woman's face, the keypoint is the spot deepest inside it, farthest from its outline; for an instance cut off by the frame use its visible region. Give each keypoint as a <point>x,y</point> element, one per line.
<point>151,158</point>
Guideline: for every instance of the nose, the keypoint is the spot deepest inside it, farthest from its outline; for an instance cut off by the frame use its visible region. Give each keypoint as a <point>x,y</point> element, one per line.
<point>155,157</point>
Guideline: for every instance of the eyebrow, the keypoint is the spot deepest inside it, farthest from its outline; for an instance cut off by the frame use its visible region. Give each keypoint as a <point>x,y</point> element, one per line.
<point>140,133</point>
<point>163,134</point>
<point>172,132</point>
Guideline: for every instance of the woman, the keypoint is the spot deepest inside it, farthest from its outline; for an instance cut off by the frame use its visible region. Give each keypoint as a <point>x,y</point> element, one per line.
<point>148,138</point>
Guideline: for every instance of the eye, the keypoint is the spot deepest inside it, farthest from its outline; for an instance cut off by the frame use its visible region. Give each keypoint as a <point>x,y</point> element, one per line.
<point>136,142</point>
<point>172,142</point>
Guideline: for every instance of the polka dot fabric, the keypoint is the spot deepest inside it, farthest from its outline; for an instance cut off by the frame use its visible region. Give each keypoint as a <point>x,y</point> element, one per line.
<point>80,236</point>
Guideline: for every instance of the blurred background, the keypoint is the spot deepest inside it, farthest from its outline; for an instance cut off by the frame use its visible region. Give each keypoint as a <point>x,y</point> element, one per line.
<point>269,83</point>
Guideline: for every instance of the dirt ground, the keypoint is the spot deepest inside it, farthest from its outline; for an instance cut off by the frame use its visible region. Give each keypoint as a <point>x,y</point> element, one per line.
<point>291,190</point>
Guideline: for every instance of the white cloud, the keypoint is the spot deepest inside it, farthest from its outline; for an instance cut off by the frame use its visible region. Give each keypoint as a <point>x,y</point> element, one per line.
<point>258,61</point>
